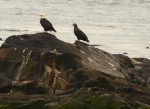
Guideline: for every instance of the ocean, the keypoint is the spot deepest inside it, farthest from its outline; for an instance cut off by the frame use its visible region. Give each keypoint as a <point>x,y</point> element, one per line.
<point>119,26</point>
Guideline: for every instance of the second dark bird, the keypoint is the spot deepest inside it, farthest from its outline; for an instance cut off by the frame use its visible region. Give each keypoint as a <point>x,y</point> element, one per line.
<point>80,34</point>
<point>47,25</point>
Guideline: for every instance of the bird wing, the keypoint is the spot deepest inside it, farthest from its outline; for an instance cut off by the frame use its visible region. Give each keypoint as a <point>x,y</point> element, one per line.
<point>45,23</point>
<point>80,34</point>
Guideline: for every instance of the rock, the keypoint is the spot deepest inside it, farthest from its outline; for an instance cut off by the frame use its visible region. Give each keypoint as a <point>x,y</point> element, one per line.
<point>125,61</point>
<point>92,58</point>
<point>89,101</point>
<point>42,64</point>
<point>21,102</point>
<point>41,41</point>
<point>16,47</point>
<point>125,53</point>
<point>142,69</point>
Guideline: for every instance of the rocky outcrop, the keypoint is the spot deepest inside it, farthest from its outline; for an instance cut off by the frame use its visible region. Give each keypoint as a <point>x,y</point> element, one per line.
<point>40,64</point>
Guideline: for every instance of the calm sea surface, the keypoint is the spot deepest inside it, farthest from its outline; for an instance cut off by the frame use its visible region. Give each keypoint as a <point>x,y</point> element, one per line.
<point>118,25</point>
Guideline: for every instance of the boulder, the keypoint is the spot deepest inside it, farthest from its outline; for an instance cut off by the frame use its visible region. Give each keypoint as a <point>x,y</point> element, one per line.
<point>92,58</point>
<point>36,48</point>
<point>41,63</point>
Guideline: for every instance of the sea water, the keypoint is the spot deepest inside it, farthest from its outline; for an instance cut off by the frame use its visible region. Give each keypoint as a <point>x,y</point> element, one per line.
<point>119,26</point>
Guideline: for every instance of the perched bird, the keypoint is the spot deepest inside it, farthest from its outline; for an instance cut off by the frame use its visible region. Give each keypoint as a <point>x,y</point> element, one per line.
<point>46,25</point>
<point>79,34</point>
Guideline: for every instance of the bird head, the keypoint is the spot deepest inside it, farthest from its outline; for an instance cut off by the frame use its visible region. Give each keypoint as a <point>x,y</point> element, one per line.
<point>75,25</point>
<point>42,15</point>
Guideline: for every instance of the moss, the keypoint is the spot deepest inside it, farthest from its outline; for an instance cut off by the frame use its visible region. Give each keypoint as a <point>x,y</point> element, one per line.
<point>12,105</point>
<point>94,102</point>
<point>47,106</point>
<point>34,89</point>
<point>100,82</point>
<point>40,89</point>
<point>4,64</point>
<point>38,104</point>
<point>71,61</point>
<point>142,105</point>
<point>105,83</point>
<point>80,75</point>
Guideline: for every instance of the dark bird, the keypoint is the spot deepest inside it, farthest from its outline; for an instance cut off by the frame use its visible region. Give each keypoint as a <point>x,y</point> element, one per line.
<point>80,34</point>
<point>47,25</point>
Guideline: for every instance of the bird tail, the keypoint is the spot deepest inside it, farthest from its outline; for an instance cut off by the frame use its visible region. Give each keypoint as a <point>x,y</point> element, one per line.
<point>88,40</point>
<point>54,30</point>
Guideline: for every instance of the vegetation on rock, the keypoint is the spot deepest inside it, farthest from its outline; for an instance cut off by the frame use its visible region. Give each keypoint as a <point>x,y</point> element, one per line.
<point>39,71</point>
